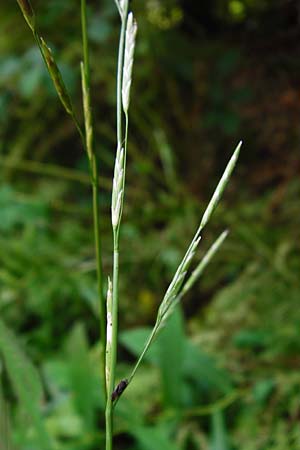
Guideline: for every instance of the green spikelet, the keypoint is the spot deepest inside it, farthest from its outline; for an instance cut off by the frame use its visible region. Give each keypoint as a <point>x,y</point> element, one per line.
<point>56,77</point>
<point>28,12</point>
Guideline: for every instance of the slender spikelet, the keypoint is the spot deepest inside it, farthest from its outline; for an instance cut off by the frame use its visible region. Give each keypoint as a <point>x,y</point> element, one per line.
<point>87,113</point>
<point>108,333</point>
<point>56,77</point>
<point>131,31</point>
<point>203,263</point>
<point>28,13</point>
<point>117,191</point>
<point>173,290</point>
<point>220,187</point>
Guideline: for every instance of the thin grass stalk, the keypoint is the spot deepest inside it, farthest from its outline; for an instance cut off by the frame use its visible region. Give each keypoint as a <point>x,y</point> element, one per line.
<point>89,143</point>
<point>145,349</point>
<point>120,165</point>
<point>116,229</point>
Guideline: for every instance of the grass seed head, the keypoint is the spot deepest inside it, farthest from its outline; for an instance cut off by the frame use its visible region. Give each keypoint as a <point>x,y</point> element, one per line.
<point>130,39</point>
<point>56,77</point>
<point>87,112</point>
<point>117,191</point>
<point>28,13</point>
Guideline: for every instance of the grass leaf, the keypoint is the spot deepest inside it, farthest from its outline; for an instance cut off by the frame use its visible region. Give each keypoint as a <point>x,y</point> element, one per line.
<point>219,433</point>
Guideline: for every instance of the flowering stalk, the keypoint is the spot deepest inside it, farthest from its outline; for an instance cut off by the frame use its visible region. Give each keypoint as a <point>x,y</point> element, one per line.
<point>116,215</point>
<point>94,175</point>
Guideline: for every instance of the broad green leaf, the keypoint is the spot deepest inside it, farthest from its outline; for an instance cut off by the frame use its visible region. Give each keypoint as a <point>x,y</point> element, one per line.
<point>202,370</point>
<point>134,341</point>
<point>86,389</point>
<point>198,367</point>
<point>153,438</point>
<point>172,344</point>
<point>25,382</point>
<point>5,427</point>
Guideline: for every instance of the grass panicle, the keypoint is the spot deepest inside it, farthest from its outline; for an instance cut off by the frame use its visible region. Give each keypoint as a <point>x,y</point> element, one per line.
<point>174,292</point>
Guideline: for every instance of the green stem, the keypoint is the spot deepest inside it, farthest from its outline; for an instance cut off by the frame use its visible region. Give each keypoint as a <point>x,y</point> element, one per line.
<point>108,426</point>
<point>89,142</point>
<point>112,370</point>
<point>115,282</point>
<point>98,249</point>
<point>141,357</point>
<point>148,343</point>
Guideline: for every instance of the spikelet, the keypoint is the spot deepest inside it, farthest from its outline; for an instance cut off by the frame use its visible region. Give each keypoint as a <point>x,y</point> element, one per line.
<point>220,187</point>
<point>203,263</point>
<point>117,190</point>
<point>28,13</point>
<point>169,301</point>
<point>108,333</point>
<point>56,77</point>
<point>87,113</point>
<point>131,31</point>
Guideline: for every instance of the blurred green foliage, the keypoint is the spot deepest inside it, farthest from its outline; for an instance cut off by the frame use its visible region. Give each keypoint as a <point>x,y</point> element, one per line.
<point>225,70</point>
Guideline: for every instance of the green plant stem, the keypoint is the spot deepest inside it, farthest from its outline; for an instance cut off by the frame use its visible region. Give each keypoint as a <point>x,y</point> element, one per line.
<point>112,369</point>
<point>115,283</point>
<point>190,282</point>
<point>108,426</point>
<point>141,357</point>
<point>98,249</point>
<point>89,143</point>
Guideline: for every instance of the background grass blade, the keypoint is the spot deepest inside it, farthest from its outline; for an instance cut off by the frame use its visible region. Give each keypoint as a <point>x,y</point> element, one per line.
<point>219,440</point>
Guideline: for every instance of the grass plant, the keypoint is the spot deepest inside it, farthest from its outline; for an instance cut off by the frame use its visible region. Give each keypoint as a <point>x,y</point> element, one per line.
<point>180,283</point>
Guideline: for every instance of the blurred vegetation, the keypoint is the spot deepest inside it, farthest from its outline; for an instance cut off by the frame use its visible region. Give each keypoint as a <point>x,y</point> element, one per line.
<point>225,372</point>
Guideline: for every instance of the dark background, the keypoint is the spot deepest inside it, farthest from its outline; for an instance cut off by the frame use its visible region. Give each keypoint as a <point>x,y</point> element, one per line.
<point>207,74</point>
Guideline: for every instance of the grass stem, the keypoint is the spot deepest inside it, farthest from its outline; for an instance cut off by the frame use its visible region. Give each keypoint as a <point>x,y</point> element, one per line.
<point>116,232</point>
<point>89,144</point>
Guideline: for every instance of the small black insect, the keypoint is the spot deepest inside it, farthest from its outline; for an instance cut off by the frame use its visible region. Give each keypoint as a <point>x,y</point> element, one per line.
<point>119,390</point>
